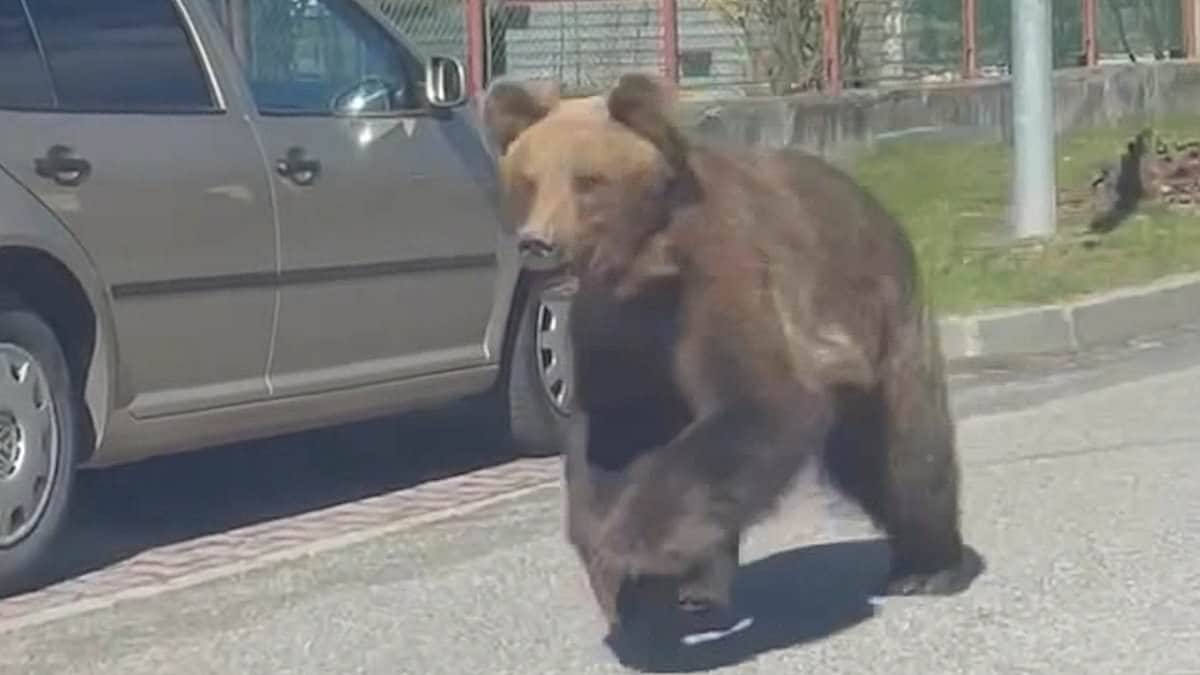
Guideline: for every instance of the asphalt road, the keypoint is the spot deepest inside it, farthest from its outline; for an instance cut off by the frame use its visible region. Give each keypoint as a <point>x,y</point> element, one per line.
<point>1081,491</point>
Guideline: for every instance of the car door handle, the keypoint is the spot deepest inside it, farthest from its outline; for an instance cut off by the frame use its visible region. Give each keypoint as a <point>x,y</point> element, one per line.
<point>59,165</point>
<point>297,168</point>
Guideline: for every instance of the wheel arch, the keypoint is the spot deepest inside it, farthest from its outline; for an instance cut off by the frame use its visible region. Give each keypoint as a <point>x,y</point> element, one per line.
<point>45,267</point>
<point>512,322</point>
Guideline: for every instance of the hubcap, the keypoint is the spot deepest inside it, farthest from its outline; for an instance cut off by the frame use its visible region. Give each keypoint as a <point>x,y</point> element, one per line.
<point>28,443</point>
<point>553,353</point>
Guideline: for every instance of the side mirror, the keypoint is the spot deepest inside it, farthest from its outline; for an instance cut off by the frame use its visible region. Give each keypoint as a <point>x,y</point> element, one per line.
<point>445,82</point>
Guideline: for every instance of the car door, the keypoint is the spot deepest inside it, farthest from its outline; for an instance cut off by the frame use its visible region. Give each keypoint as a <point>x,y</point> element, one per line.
<point>388,233</point>
<point>136,149</point>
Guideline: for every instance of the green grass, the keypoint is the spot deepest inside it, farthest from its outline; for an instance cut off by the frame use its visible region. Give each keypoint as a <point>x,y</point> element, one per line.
<point>952,196</point>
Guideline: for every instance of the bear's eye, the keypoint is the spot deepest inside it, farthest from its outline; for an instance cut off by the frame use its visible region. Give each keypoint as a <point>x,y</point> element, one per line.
<point>524,183</point>
<point>519,187</point>
<point>588,181</point>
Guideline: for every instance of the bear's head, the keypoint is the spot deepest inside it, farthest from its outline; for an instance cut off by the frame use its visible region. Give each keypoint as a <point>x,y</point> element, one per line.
<point>588,183</point>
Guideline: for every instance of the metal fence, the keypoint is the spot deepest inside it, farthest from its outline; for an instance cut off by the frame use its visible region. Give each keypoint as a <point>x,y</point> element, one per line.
<point>779,46</point>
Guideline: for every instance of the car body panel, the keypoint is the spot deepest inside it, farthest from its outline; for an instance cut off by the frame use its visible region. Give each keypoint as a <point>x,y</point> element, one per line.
<point>412,346</point>
<point>26,223</point>
<point>143,439</point>
<point>388,254</point>
<point>184,236</point>
<point>386,265</point>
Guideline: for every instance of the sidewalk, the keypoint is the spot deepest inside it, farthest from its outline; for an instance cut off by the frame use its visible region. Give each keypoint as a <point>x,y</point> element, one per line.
<point>1103,318</point>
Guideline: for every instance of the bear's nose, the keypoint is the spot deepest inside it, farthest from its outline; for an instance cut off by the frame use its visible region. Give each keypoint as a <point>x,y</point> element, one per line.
<point>535,245</point>
<point>538,254</point>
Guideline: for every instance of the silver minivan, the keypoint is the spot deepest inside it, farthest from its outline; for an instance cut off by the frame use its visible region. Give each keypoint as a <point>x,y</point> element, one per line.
<point>229,219</point>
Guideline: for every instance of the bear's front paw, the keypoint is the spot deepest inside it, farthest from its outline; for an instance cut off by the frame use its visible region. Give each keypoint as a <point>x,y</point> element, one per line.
<point>606,576</point>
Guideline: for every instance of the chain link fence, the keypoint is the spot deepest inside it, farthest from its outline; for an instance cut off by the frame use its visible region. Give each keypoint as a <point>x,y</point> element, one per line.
<point>434,26</point>
<point>1140,30</point>
<point>1125,31</point>
<point>583,44</point>
<point>776,46</point>
<point>897,41</point>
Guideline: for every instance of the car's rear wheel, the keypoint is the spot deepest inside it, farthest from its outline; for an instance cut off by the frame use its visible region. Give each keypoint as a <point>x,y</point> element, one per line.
<point>540,384</point>
<point>38,444</point>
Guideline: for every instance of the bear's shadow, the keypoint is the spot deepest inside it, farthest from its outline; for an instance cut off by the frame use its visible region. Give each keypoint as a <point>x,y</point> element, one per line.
<point>796,596</point>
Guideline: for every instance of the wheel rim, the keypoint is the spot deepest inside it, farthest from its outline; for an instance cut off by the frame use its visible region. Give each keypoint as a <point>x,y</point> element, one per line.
<point>29,449</point>
<point>553,353</point>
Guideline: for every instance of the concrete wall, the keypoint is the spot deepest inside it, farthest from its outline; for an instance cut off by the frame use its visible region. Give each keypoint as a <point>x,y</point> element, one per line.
<point>841,126</point>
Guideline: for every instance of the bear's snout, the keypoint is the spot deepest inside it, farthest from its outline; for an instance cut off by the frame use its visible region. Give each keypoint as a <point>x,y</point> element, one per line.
<point>538,253</point>
<point>534,245</point>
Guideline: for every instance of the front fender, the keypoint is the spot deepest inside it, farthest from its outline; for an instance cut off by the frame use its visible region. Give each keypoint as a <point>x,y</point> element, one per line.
<point>26,222</point>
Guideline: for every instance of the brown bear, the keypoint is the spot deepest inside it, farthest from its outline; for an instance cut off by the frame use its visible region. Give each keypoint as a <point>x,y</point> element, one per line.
<point>737,315</point>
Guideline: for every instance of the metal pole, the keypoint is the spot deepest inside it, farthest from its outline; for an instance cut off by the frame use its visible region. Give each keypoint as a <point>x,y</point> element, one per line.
<point>1195,30</point>
<point>970,58</point>
<point>1089,33</point>
<point>1191,28</point>
<point>1034,204</point>
<point>670,38</point>
<point>831,34</point>
<point>476,28</point>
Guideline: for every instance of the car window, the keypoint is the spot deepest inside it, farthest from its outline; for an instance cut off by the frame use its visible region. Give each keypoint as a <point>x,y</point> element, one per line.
<point>24,82</point>
<point>121,55</point>
<point>321,57</point>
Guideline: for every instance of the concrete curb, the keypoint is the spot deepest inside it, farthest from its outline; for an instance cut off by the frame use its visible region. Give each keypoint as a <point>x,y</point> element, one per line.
<point>1103,318</point>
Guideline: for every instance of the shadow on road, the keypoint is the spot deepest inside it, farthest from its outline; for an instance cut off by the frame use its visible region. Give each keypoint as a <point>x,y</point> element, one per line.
<point>122,511</point>
<point>797,596</point>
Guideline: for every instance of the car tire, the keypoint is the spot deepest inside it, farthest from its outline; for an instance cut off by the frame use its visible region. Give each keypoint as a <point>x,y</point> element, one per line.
<point>539,407</point>
<point>36,392</point>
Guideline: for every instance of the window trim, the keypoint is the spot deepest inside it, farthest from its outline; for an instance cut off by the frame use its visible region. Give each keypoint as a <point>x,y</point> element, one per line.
<point>201,48</point>
<point>41,50</point>
<point>217,104</point>
<point>46,72</point>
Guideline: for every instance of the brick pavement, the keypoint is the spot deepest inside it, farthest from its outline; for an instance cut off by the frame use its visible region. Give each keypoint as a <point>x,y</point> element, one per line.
<point>231,551</point>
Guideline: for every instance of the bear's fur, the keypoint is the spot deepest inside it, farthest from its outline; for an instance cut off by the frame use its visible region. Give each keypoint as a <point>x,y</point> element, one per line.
<point>738,314</point>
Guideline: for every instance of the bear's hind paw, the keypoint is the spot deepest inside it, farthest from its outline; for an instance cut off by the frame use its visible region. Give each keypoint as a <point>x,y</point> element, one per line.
<point>948,581</point>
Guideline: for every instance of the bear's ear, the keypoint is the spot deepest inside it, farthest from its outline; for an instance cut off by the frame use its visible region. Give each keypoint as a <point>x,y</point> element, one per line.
<point>645,105</point>
<point>510,108</point>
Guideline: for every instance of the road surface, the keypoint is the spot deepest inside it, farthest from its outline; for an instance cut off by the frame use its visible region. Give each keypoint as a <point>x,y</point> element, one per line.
<point>1081,490</point>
